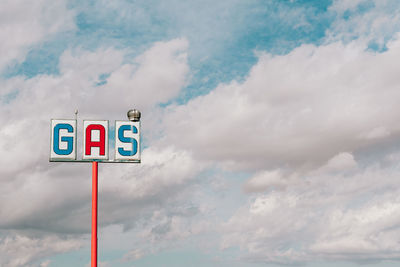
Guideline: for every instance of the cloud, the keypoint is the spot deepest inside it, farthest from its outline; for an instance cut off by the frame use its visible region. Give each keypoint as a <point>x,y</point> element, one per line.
<point>295,110</point>
<point>26,24</point>
<point>161,180</point>
<point>20,250</point>
<point>265,180</point>
<point>161,74</point>
<point>337,216</point>
<point>371,21</point>
<point>133,255</point>
<point>45,263</point>
<point>297,121</point>
<point>340,162</point>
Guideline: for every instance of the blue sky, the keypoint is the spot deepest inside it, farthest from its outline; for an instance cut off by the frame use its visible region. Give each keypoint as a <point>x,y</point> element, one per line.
<point>269,131</point>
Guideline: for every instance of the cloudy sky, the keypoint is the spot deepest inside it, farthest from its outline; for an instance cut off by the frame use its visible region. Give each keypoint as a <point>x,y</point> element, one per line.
<point>270,132</point>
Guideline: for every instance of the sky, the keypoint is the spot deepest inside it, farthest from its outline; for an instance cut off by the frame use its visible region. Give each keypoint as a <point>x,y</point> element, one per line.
<point>270,132</point>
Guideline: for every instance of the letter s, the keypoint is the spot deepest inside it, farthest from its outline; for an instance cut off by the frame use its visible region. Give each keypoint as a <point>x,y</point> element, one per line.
<point>124,139</point>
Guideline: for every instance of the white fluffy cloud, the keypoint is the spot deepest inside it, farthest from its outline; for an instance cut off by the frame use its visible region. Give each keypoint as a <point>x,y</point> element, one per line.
<point>371,21</point>
<point>162,72</point>
<point>265,180</point>
<point>340,162</point>
<point>24,24</point>
<point>299,121</point>
<point>20,250</point>
<point>348,215</point>
<point>295,110</point>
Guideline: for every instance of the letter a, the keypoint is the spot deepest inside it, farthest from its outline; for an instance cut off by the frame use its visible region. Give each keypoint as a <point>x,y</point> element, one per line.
<point>95,140</point>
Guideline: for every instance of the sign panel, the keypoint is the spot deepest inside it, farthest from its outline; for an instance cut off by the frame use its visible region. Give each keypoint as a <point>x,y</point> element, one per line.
<point>63,140</point>
<point>95,139</point>
<point>127,140</point>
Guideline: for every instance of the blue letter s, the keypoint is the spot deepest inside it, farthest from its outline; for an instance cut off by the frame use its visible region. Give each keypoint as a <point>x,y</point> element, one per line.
<point>124,139</point>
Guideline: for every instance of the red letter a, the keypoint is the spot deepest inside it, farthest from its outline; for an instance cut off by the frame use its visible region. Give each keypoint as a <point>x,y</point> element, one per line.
<point>100,144</point>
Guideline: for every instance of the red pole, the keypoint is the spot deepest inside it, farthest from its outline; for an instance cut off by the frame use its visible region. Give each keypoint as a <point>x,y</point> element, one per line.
<point>94,212</point>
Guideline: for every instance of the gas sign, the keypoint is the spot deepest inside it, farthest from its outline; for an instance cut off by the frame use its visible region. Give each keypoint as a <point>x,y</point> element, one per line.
<point>95,141</point>
<point>95,149</point>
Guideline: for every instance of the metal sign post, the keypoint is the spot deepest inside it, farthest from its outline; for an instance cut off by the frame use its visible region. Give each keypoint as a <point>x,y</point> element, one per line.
<point>94,212</point>
<point>95,149</point>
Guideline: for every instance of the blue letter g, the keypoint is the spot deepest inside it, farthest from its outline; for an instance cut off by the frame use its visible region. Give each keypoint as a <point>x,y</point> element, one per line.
<point>68,139</point>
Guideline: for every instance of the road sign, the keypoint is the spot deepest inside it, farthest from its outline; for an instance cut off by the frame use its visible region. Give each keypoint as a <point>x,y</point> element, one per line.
<point>95,141</point>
